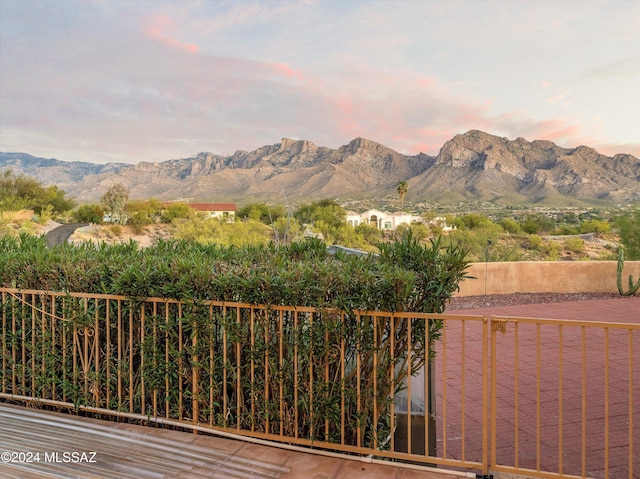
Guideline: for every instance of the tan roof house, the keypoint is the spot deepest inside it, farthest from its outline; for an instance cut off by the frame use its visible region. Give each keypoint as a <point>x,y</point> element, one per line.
<point>214,210</point>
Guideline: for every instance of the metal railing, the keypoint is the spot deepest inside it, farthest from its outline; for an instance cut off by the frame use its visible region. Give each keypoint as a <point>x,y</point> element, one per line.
<point>562,398</point>
<point>311,377</point>
<point>545,398</point>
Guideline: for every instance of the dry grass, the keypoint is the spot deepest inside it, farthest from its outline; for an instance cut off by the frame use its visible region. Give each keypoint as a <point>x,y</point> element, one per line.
<point>114,234</point>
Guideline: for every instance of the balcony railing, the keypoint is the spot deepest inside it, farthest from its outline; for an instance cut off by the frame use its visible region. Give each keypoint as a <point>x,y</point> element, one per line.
<point>505,394</point>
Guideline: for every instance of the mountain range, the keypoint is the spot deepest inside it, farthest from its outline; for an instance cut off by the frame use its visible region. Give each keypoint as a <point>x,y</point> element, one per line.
<point>469,167</point>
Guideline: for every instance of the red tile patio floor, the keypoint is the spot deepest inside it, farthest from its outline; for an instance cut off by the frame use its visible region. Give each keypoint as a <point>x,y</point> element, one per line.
<point>553,352</point>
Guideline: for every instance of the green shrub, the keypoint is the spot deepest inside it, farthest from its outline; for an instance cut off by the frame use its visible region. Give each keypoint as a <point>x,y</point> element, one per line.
<point>535,242</point>
<point>552,250</point>
<point>537,223</point>
<point>215,231</point>
<point>575,245</point>
<point>91,213</point>
<point>595,226</point>
<point>408,275</point>
<point>510,226</point>
<point>176,210</point>
<point>438,270</point>
<point>262,212</point>
<point>568,230</point>
<point>629,229</point>
<point>23,192</point>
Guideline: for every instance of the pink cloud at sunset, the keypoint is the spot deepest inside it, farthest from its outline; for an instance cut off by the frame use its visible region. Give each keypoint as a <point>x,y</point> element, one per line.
<point>162,28</point>
<point>610,150</point>
<point>159,80</point>
<point>287,71</point>
<point>555,129</point>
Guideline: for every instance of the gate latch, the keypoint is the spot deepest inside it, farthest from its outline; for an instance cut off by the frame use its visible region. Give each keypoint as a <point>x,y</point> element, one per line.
<point>499,325</point>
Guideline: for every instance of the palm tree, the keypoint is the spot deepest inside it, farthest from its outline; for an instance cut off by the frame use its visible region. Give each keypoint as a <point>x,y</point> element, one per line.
<point>402,189</point>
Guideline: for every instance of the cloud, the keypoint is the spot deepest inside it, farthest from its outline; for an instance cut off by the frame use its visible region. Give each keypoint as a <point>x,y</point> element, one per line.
<point>611,149</point>
<point>286,70</point>
<point>622,67</point>
<point>560,131</point>
<point>162,28</point>
<point>153,83</point>
<point>557,99</point>
<point>518,124</point>
<point>151,110</point>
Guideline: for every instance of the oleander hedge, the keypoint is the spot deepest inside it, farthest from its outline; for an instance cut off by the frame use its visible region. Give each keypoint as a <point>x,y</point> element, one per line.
<point>249,381</point>
<point>406,276</point>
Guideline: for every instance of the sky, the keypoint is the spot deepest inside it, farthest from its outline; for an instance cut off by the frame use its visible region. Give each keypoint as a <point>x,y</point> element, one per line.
<point>151,80</point>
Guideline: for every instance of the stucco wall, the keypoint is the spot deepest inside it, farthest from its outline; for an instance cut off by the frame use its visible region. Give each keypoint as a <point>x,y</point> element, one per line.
<point>546,276</point>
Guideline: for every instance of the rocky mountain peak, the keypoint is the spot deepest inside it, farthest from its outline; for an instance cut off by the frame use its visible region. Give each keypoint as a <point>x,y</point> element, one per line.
<point>586,151</point>
<point>297,147</point>
<point>362,144</point>
<point>473,165</point>
<point>464,151</point>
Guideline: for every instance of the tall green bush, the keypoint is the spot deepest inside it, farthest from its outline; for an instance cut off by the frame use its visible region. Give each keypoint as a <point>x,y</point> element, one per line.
<point>299,349</point>
<point>629,229</point>
<point>407,276</point>
<point>23,192</point>
<point>91,213</point>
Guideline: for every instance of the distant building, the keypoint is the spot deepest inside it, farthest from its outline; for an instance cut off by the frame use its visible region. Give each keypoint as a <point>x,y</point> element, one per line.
<point>225,211</point>
<point>216,210</point>
<point>382,219</point>
<point>441,222</point>
<point>390,221</point>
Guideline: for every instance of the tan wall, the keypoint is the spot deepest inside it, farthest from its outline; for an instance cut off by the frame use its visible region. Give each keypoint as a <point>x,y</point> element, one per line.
<point>546,276</point>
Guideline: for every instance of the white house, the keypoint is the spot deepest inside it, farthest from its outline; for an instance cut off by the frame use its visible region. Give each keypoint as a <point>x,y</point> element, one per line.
<point>382,219</point>
<point>390,221</point>
<point>441,222</point>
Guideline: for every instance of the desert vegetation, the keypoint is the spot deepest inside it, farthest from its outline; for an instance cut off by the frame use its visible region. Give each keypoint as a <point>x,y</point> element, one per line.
<point>508,235</point>
<point>26,205</point>
<point>407,276</point>
<point>272,255</point>
<point>487,232</point>
<point>300,273</point>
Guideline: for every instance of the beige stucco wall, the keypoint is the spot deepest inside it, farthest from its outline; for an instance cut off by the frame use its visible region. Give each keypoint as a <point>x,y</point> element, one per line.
<point>546,276</point>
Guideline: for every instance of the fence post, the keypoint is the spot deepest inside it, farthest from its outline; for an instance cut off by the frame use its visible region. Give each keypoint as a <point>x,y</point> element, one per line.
<point>195,376</point>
